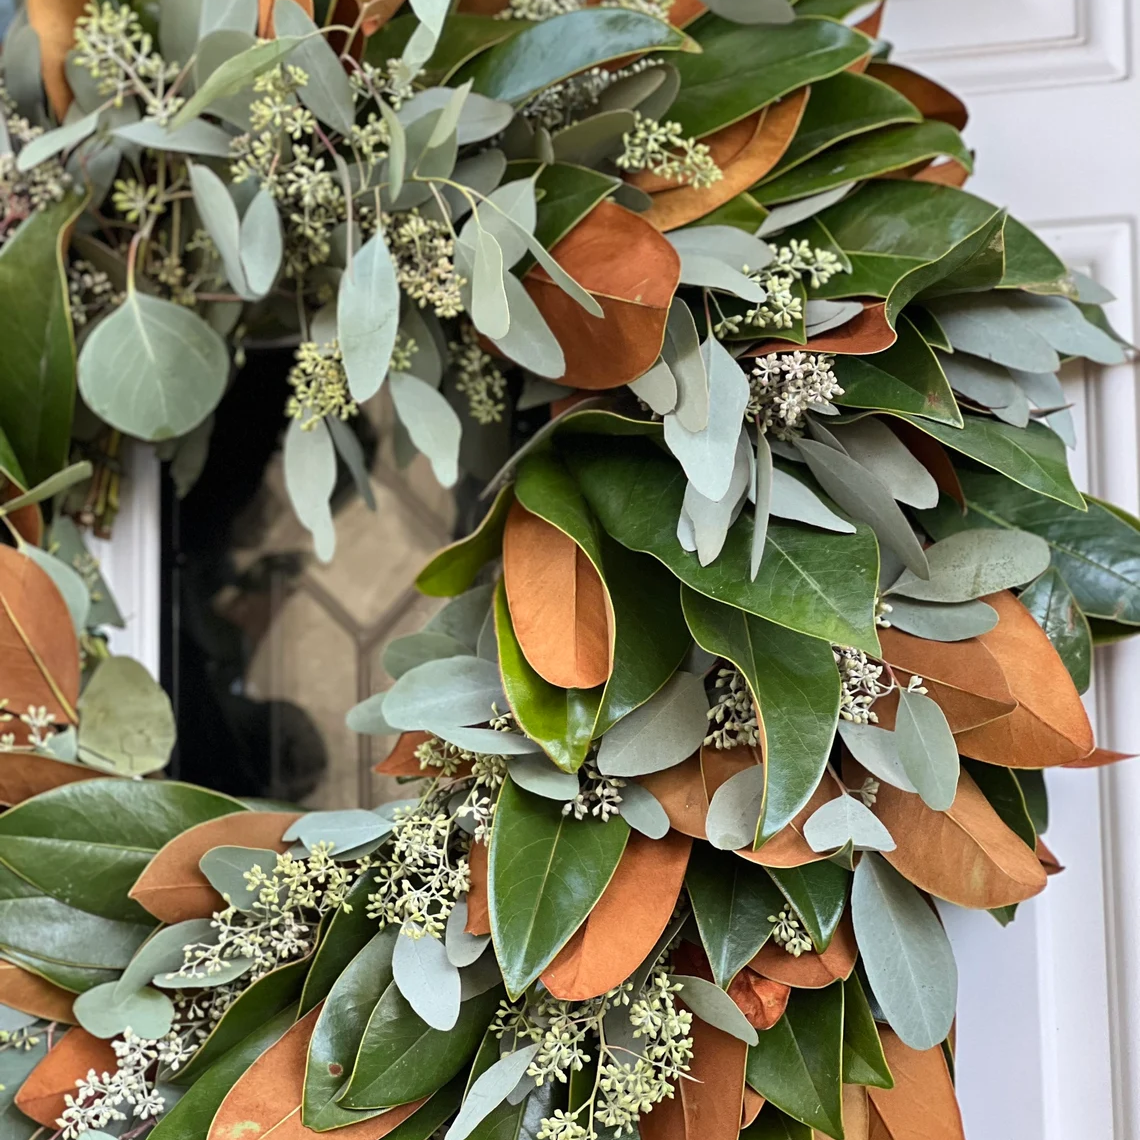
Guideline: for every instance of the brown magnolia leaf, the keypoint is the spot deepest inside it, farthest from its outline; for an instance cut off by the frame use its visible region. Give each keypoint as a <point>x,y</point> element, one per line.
<point>666,1120</point>
<point>559,607</point>
<point>172,886</point>
<point>947,173</point>
<point>760,999</point>
<point>684,12</point>
<point>712,1097</point>
<point>54,23</point>
<point>23,775</point>
<point>922,1105</point>
<point>28,521</point>
<point>632,272</point>
<point>265,23</point>
<point>1099,757</point>
<point>719,765</point>
<point>401,761</point>
<point>962,677</point>
<point>753,1103</point>
<point>965,855</point>
<point>810,971</point>
<point>745,151</point>
<point>29,993</point>
<point>865,334</point>
<point>872,23</point>
<point>931,98</point>
<point>41,1096</point>
<point>932,455</point>
<point>788,847</point>
<point>565,403</point>
<point>478,906</point>
<point>39,653</point>
<point>1047,859</point>
<point>681,792</point>
<point>1050,725</point>
<point>626,921</point>
<point>266,1101</point>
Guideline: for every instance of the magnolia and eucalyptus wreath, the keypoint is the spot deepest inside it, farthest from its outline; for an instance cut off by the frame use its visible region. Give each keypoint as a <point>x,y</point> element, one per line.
<point>763,642</point>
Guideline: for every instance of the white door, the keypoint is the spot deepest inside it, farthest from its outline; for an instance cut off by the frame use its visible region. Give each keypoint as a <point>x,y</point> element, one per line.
<point>1049,1008</point>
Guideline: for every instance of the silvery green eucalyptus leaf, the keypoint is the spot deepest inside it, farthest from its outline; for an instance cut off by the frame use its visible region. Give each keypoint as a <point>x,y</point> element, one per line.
<point>987,325</point>
<point>936,621</point>
<point>845,820</point>
<point>54,141</point>
<point>780,217</point>
<point>348,448</point>
<point>1059,322</point>
<point>822,316</point>
<point>869,441</point>
<point>487,740</point>
<point>735,808</point>
<point>727,244</point>
<point>164,952</point>
<point>219,215</point>
<point>153,369</point>
<point>793,499</point>
<point>368,316</point>
<point>681,351</point>
<point>431,422</point>
<point>214,14</point>
<point>489,1090</point>
<point>196,137</point>
<point>641,809</point>
<point>344,829</point>
<point>178,27</point>
<point>710,520</point>
<point>462,948</point>
<point>310,476</point>
<point>328,93</point>
<point>973,563</point>
<point>105,1012</point>
<point>529,342</point>
<point>397,149</point>
<point>226,869</point>
<point>490,309</point>
<point>538,775</point>
<point>262,243</point>
<point>126,721</point>
<point>657,388</point>
<point>761,496</point>
<point>927,750</point>
<point>714,1007</point>
<point>72,587</point>
<point>878,751</point>
<point>456,691</point>
<point>427,979</point>
<point>905,952</point>
<point>463,616</point>
<point>407,652</point>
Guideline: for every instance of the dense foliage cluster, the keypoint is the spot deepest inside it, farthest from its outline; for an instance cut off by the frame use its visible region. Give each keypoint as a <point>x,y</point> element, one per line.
<point>762,645</point>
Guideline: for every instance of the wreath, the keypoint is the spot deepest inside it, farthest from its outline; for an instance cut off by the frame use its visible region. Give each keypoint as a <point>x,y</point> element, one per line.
<point>762,643</point>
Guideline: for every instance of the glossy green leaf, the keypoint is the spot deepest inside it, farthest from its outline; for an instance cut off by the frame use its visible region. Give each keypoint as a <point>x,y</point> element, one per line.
<point>348,933</point>
<point>797,1064</point>
<point>126,723</point>
<point>561,720</point>
<point>37,367</point>
<point>863,1059</point>
<point>1032,456</point>
<point>772,1124</point>
<point>649,637</point>
<point>1053,604</point>
<point>732,900</point>
<point>906,953</point>
<point>905,378</point>
<point>796,687</point>
<point>191,1116</point>
<point>567,193</point>
<point>455,568</point>
<point>867,156</point>
<point>818,894</point>
<point>490,1089</point>
<point>462,38</point>
<point>153,369</point>
<point>1032,784</point>
<point>339,1030</point>
<point>402,1059</point>
<point>741,69</point>
<point>839,108</point>
<point>546,872</point>
<point>636,493</point>
<point>550,51</point>
<point>86,843</point>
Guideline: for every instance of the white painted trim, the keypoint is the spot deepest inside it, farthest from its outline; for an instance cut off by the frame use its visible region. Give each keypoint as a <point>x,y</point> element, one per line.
<point>131,560</point>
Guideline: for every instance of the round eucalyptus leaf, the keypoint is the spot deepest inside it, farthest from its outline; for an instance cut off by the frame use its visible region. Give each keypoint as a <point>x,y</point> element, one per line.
<point>105,1012</point>
<point>126,723</point>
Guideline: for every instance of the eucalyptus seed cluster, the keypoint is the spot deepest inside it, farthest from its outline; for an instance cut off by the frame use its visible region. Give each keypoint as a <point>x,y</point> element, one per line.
<point>575,98</point>
<point>732,717</point>
<point>785,386</point>
<point>478,378</point>
<point>21,1040</point>
<point>102,1099</point>
<point>37,720</point>
<point>89,290</point>
<point>662,148</point>
<point>789,933</point>
<point>598,795</point>
<point>423,251</point>
<point>24,192</point>
<point>320,385</point>
<point>860,684</point>
<point>633,1073</point>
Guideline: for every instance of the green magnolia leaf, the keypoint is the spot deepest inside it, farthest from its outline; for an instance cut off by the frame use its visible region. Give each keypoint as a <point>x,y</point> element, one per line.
<point>339,1029</point>
<point>567,193</point>
<point>191,1116</point>
<point>863,1060</point>
<point>37,368</point>
<point>714,1007</point>
<point>906,954</point>
<point>936,621</point>
<point>636,494</point>
<point>15,1067</point>
<point>153,369</point>
<point>1032,456</point>
<point>490,1089</point>
<point>454,569</point>
<point>367,317</point>
<point>561,720</point>
<point>105,1011</point>
<point>550,51</point>
<point>926,749</point>
<point>818,894</point>
<point>741,69</point>
<point>546,872</point>
<point>772,1124</point>
<point>905,378</point>
<point>796,688</point>
<point>841,107</point>
<point>1053,604</point>
<point>126,723</point>
<point>797,1064</point>
<point>402,1059</point>
<point>1094,550</point>
<point>845,820</point>
<point>866,156</point>
<point>310,477</point>
<point>86,843</point>
<point>733,900</point>
<point>972,563</point>
<point>237,72</point>
<point>348,933</point>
